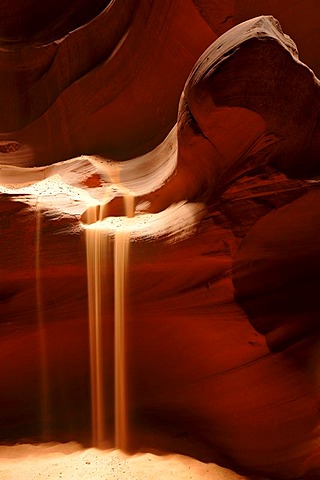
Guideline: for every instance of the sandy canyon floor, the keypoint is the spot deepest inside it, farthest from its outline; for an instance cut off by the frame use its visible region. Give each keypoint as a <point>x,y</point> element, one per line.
<point>70,461</point>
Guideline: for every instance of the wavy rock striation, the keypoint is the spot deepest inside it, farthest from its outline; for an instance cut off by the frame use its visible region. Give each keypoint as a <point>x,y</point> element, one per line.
<point>222,325</point>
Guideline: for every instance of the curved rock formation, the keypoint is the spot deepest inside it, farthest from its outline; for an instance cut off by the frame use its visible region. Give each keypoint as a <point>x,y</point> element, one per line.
<point>203,379</point>
<point>110,86</point>
<point>101,79</point>
<point>278,293</point>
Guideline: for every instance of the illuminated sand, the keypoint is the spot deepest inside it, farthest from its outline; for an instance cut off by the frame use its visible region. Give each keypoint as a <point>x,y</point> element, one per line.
<point>95,250</point>
<point>71,462</point>
<point>121,254</point>
<point>66,189</point>
<point>97,246</point>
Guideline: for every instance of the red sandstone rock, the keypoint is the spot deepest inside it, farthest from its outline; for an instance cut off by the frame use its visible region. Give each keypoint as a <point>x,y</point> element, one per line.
<point>251,83</point>
<point>275,279</point>
<point>299,19</point>
<point>127,71</point>
<point>111,86</point>
<point>200,375</point>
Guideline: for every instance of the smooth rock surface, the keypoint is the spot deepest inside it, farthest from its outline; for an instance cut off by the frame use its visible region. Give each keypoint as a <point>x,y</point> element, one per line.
<point>222,326</point>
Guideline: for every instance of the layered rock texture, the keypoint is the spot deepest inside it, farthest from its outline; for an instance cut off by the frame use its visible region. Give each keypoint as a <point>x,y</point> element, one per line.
<point>222,314</point>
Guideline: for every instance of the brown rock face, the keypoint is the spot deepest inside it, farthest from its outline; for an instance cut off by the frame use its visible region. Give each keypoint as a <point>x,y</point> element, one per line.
<point>111,86</point>
<point>28,21</point>
<point>299,19</point>
<point>222,327</point>
<point>279,294</point>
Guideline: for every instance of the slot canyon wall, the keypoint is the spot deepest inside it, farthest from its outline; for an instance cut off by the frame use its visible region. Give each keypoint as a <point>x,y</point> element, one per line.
<point>222,325</point>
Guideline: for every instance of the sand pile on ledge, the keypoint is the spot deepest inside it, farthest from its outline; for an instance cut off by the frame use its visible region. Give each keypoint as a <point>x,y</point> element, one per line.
<point>70,461</point>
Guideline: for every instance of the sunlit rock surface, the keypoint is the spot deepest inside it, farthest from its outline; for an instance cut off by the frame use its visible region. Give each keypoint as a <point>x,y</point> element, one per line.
<point>223,335</point>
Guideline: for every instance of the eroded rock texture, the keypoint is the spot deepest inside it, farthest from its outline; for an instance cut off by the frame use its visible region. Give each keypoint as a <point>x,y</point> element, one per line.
<point>111,86</point>
<point>222,327</point>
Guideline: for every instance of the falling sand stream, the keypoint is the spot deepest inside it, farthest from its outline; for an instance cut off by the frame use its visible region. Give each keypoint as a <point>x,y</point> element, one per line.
<point>98,244</point>
<point>43,354</point>
<point>55,189</point>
